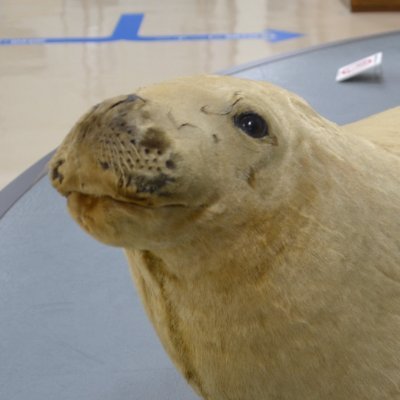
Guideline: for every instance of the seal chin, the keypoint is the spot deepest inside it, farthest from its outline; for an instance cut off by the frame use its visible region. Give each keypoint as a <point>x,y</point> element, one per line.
<point>104,216</point>
<point>131,223</point>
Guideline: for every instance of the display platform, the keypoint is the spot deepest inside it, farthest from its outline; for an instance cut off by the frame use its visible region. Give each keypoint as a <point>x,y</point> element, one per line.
<point>72,326</point>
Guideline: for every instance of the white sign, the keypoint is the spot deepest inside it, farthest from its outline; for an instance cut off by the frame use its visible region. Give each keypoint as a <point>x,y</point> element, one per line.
<point>358,67</point>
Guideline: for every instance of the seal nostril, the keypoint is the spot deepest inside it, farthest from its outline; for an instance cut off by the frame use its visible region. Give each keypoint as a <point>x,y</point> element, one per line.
<point>133,97</point>
<point>170,164</point>
<point>56,175</point>
<point>129,99</point>
<point>104,165</point>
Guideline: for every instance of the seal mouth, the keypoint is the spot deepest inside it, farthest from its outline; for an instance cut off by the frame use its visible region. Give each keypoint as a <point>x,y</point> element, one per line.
<point>127,203</point>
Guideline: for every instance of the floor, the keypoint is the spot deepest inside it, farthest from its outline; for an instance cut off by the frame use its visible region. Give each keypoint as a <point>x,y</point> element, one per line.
<point>59,57</point>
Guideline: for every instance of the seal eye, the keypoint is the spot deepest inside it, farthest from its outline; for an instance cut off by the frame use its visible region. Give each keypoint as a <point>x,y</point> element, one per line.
<point>252,124</point>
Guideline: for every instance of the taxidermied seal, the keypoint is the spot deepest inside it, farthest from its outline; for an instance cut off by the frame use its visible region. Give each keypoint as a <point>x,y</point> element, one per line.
<point>264,240</point>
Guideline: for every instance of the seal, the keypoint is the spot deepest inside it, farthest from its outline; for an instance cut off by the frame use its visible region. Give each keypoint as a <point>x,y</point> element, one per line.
<point>263,239</point>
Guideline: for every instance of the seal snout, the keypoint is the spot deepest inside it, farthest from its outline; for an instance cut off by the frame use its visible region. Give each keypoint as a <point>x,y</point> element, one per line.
<point>117,147</point>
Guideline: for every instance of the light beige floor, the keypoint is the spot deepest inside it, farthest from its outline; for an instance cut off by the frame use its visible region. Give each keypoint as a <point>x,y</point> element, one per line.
<point>45,88</point>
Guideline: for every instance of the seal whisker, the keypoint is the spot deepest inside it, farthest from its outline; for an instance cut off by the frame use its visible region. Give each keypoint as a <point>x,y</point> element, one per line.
<point>122,152</point>
<point>187,124</point>
<point>117,160</point>
<point>235,102</point>
<point>172,118</point>
<point>133,145</point>
<point>205,110</point>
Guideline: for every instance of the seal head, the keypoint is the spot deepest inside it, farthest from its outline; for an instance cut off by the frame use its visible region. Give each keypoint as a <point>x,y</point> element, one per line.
<point>172,153</point>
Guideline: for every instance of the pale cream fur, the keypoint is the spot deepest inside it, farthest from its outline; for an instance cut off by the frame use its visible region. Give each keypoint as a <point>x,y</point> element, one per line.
<point>270,268</point>
<point>383,129</point>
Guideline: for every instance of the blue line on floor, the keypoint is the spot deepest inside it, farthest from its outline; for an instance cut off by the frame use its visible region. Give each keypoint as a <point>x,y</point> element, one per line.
<point>128,28</point>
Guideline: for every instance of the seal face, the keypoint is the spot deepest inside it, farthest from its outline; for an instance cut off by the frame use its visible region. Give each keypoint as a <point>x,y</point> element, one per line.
<point>264,241</point>
<point>160,151</point>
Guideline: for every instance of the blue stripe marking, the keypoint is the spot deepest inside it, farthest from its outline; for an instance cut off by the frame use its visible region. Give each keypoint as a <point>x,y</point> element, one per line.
<point>128,28</point>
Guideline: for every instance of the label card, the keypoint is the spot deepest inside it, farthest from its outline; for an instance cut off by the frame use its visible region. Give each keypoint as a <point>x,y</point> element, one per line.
<point>358,67</point>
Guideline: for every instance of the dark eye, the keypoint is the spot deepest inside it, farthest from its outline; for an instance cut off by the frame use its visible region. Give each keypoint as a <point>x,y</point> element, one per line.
<point>252,124</point>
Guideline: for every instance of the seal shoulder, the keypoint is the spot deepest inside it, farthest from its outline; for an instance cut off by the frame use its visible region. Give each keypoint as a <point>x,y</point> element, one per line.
<point>382,129</point>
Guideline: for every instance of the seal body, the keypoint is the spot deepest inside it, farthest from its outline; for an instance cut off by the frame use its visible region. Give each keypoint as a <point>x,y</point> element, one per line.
<point>263,239</point>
